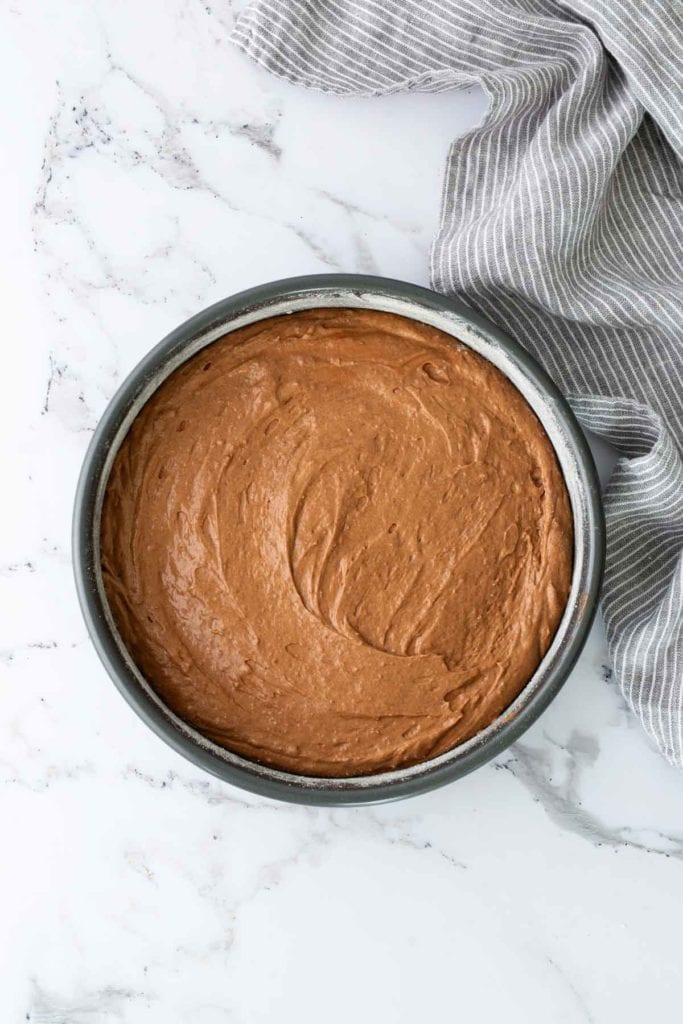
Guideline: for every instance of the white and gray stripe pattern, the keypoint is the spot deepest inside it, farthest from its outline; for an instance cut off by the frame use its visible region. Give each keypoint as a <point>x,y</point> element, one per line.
<point>562,222</point>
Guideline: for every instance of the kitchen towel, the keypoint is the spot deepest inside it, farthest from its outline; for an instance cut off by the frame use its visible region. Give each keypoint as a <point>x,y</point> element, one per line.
<point>562,221</point>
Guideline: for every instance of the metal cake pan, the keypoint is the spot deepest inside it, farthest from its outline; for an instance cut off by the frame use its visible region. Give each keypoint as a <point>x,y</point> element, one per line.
<point>450,316</point>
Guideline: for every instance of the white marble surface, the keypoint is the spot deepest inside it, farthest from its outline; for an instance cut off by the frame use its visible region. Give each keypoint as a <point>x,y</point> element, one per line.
<point>148,170</point>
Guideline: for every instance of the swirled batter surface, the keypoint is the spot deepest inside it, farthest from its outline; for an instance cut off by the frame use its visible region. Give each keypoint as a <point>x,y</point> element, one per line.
<point>337,542</point>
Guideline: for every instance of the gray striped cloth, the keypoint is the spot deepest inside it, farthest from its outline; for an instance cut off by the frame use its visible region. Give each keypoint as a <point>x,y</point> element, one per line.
<point>561,222</point>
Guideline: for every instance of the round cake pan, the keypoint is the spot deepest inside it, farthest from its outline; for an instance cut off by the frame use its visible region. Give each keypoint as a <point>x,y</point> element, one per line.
<point>282,297</point>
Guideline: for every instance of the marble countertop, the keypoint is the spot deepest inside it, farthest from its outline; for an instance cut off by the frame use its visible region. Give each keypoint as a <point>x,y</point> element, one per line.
<point>147,171</point>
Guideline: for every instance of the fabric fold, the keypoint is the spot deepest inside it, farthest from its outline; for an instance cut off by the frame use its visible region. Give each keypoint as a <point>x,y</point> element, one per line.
<point>562,222</point>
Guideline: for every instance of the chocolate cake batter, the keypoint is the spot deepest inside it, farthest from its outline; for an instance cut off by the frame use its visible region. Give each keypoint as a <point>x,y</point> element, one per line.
<point>337,542</point>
